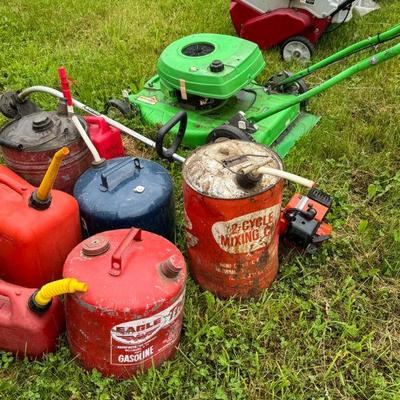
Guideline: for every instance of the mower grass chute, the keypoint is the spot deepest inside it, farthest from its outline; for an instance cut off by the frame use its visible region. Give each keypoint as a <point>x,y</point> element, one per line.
<point>211,77</point>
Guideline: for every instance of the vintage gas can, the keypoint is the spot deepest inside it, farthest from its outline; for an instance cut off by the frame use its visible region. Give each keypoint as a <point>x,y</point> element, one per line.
<point>232,235</point>
<point>131,316</point>
<point>29,142</point>
<point>105,137</point>
<point>36,232</point>
<point>125,192</point>
<point>22,331</point>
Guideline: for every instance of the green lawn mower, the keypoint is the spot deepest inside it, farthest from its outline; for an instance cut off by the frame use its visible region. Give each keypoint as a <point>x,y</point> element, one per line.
<point>205,82</point>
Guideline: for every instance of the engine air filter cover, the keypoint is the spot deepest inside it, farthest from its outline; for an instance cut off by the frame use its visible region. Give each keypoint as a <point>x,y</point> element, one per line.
<point>185,65</point>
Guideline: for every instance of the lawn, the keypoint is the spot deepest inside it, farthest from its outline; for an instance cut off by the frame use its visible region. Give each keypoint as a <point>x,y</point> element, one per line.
<point>329,327</point>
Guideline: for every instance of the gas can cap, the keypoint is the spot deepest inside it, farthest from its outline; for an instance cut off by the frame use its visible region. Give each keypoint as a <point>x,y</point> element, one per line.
<point>171,267</point>
<point>95,246</point>
<point>41,123</point>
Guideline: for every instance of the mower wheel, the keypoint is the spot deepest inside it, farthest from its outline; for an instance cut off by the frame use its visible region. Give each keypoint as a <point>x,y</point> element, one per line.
<point>228,132</point>
<point>274,84</point>
<point>297,88</point>
<point>297,48</point>
<point>127,109</point>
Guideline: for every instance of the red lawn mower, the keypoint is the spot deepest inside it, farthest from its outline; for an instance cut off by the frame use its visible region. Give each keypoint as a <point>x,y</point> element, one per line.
<point>295,25</point>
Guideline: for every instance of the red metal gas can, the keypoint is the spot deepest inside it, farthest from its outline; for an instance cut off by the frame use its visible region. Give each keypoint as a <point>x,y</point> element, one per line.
<point>22,331</point>
<point>131,316</point>
<point>30,142</point>
<point>105,137</point>
<point>34,242</point>
<point>232,234</point>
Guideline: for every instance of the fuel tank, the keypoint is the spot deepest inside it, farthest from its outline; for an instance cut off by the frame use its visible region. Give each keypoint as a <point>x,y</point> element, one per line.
<point>125,192</point>
<point>29,143</point>
<point>232,230</point>
<point>131,316</point>
<point>38,227</point>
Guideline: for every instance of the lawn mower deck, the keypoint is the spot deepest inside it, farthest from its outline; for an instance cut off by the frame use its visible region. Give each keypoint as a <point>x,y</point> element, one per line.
<point>279,131</point>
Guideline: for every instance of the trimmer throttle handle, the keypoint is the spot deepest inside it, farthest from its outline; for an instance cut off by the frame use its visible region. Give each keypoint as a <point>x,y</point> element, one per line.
<point>62,73</point>
<point>180,117</point>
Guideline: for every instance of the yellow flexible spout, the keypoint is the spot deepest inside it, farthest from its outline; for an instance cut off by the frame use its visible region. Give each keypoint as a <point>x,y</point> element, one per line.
<point>57,288</point>
<point>47,183</point>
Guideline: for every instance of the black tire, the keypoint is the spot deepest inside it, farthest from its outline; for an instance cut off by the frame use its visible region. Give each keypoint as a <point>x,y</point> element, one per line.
<point>126,108</point>
<point>299,39</point>
<point>228,132</point>
<point>299,87</point>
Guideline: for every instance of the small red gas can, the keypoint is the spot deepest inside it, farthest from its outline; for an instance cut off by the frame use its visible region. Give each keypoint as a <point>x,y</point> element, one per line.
<point>23,331</point>
<point>131,316</point>
<point>232,230</point>
<point>105,137</point>
<point>37,229</point>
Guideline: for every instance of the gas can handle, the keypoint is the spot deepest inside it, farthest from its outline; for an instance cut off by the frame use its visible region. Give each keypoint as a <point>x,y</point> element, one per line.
<point>17,188</point>
<point>108,184</point>
<point>116,259</point>
<point>98,121</point>
<point>9,291</point>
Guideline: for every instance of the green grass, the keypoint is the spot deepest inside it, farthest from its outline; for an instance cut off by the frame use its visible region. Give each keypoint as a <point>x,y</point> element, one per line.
<point>329,328</point>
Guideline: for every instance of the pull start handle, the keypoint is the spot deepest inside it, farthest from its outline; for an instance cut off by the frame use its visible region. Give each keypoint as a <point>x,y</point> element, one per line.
<point>116,259</point>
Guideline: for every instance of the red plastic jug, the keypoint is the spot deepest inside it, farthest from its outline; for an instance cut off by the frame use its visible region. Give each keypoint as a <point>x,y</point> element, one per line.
<point>105,137</point>
<point>30,319</point>
<point>37,229</point>
<point>23,331</point>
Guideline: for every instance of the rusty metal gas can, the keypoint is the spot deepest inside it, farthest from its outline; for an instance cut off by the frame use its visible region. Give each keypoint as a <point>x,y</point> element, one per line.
<point>131,316</point>
<point>232,226</point>
<point>30,141</point>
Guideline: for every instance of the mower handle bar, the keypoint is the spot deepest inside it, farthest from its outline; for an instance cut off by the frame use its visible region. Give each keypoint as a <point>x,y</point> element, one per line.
<point>347,73</point>
<point>55,93</point>
<point>181,118</point>
<point>342,6</point>
<point>383,37</point>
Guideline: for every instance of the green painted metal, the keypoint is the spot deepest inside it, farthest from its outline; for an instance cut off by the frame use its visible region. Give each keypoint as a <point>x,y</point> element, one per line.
<point>242,60</point>
<point>288,138</point>
<point>347,73</point>
<point>156,109</point>
<point>390,34</point>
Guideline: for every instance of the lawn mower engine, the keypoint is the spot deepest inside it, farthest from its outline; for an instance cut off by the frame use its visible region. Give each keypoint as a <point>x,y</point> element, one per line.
<point>201,72</point>
<point>296,25</point>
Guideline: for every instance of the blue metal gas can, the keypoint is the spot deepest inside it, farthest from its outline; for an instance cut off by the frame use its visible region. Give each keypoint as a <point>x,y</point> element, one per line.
<point>126,192</point>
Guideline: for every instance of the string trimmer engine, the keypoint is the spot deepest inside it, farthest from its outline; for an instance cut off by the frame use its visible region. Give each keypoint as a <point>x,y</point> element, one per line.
<point>303,223</point>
